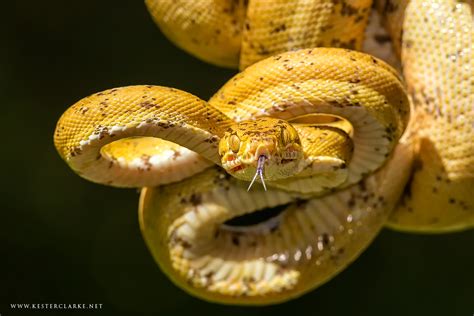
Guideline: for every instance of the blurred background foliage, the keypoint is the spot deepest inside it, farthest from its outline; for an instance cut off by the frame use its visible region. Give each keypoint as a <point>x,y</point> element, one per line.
<point>65,240</point>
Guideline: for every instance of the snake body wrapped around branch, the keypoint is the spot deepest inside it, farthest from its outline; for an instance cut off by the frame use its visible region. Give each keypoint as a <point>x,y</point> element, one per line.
<point>322,129</point>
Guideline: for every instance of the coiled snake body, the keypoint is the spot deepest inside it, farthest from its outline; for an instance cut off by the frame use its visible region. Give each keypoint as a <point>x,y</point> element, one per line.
<point>320,127</point>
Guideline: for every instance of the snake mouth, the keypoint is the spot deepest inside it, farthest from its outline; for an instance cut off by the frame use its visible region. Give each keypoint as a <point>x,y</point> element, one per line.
<point>237,165</point>
<point>237,168</point>
<point>232,163</point>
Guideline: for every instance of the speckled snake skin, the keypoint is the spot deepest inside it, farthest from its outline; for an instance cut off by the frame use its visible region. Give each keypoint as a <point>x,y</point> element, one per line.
<point>326,129</point>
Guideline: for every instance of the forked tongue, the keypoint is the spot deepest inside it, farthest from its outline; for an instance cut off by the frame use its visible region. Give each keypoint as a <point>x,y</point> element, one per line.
<point>259,172</point>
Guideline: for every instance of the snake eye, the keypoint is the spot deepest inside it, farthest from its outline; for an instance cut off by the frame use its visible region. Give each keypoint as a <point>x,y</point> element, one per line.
<point>285,136</point>
<point>234,143</point>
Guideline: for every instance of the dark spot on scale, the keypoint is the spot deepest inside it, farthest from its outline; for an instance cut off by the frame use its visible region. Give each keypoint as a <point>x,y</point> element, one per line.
<point>163,124</point>
<point>236,240</point>
<point>325,239</point>
<point>76,151</point>
<point>279,28</point>
<point>195,199</point>
<point>359,18</point>
<point>185,244</point>
<point>408,44</point>
<point>176,154</point>
<point>362,186</point>
<point>209,276</point>
<point>262,50</point>
<point>301,203</point>
<point>347,9</point>
<point>149,105</point>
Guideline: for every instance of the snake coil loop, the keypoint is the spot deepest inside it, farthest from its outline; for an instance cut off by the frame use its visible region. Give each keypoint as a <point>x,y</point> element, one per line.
<point>326,131</point>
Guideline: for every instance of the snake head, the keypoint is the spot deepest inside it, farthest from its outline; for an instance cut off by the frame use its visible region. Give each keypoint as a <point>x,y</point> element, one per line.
<point>265,146</point>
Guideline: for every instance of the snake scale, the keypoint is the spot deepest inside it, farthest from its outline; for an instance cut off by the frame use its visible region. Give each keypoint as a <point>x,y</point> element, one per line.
<point>331,140</point>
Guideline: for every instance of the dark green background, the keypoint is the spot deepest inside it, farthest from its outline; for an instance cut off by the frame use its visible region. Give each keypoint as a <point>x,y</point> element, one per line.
<point>65,240</point>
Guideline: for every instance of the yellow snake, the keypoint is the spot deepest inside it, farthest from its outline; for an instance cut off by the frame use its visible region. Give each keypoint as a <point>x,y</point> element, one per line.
<point>321,128</point>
